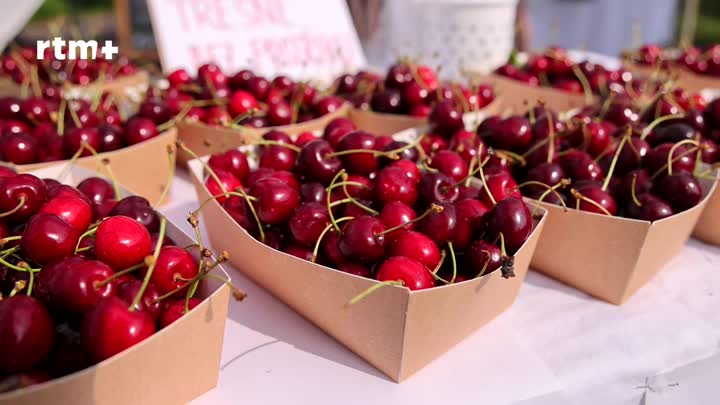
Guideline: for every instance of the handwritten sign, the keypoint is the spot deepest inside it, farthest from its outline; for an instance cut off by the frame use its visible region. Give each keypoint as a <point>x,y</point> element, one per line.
<point>301,38</point>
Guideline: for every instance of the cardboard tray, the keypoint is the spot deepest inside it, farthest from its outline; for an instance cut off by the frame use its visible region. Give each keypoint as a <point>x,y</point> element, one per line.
<point>394,329</point>
<point>389,124</point>
<point>512,94</point>
<point>205,139</point>
<point>708,226</point>
<point>176,365</point>
<point>611,257</point>
<point>122,87</point>
<point>686,78</point>
<point>142,168</point>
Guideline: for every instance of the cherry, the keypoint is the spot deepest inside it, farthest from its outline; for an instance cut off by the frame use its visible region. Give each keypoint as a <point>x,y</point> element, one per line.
<point>445,118</point>
<point>409,167</point>
<point>287,178</point>
<point>172,266</point>
<point>353,210</point>
<point>546,173</point>
<point>139,209</point>
<point>316,163</point>
<point>393,184</point>
<point>681,190</point>
<point>594,192</point>
<point>440,226</point>
<point>232,161</point>
<point>482,257</point>
<point>48,237</point>
<point>74,139</point>
<point>513,133</point>
<point>86,117</point>
<point>399,76</point>
<point>511,218</point>
<point>579,165</point>
<point>360,162</point>
<point>469,214</point>
<point>416,246</point>
<point>307,222</point>
<point>111,328</point>
<point>175,309</point>
<point>74,284</point>
<point>329,246</point>
<point>128,290</point>
<point>657,159</point>
<point>121,242</point>
<point>432,143</point>
<point>673,132</point>
<point>328,105</point>
<point>304,138</point>
<point>437,187</point>
<point>155,110</point>
<point>312,192</point>
<point>179,77</point>
<point>27,333</point>
<point>394,214</point>
<point>621,114</point>
<point>228,182</point>
<point>467,143</point>
<point>710,151</point>
<point>74,210</point>
<point>632,155</point>
<point>451,164</point>
<point>355,269</point>
<point>10,108</point>
<point>239,211</point>
<point>279,113</point>
<point>651,208</point>
<point>139,129</point>
<point>387,101</point>
<point>362,239</point>
<point>346,84</point>
<point>412,273</point>
<point>275,200</point>
<point>99,191</point>
<point>19,148</point>
<point>415,95</point>
<point>299,251</point>
<point>14,127</point>
<point>277,157</point>
<point>501,185</point>
<point>111,137</point>
<point>642,184</point>
<point>241,102</point>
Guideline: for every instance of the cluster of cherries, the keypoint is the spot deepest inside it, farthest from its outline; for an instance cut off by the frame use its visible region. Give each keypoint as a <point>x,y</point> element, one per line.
<point>697,60</point>
<point>84,275</point>
<point>37,130</point>
<point>554,68</point>
<point>374,206</point>
<point>50,73</point>
<point>611,159</point>
<point>409,89</point>
<point>244,98</point>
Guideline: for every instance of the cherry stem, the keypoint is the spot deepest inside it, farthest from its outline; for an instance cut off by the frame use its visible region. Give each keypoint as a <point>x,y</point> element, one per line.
<point>327,229</point>
<point>254,213</point>
<point>5,240</point>
<point>674,148</point>
<point>22,266</point>
<point>485,186</point>
<point>579,197</point>
<point>434,271</point>
<point>151,266</point>
<point>327,199</point>
<point>371,290</point>
<point>507,265</point>
<point>75,118</point>
<point>550,189</point>
<point>454,262</point>
<point>434,209</point>
<point>61,117</point>
<point>98,93</point>
<point>585,84</point>
<point>19,285</point>
<point>35,81</point>
<point>551,137</point>
<point>205,165</point>
<point>648,129</point>
<point>248,113</point>
<point>115,184</point>
<point>171,175</point>
<point>17,208</point>
<point>606,183</point>
<point>606,105</point>
<point>119,274</point>
<point>264,142</point>
<point>531,111</point>
<point>674,159</point>
<point>632,191</point>
<point>87,233</point>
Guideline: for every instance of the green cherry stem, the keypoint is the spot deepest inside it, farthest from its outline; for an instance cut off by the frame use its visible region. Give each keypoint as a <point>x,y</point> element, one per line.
<point>327,229</point>
<point>151,265</point>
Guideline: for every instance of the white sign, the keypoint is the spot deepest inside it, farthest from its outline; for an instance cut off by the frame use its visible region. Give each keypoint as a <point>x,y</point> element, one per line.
<point>301,38</point>
<point>15,14</point>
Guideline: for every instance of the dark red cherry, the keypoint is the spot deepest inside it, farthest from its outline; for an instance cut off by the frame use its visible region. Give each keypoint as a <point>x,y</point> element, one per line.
<point>358,163</point>
<point>409,167</point>
<point>99,191</point>
<point>315,163</point>
<point>139,129</point>
<point>74,284</point>
<point>139,209</point>
<point>579,165</point>
<point>239,210</point>
<point>23,193</point>
<point>482,257</point>
<point>671,133</point>
<point>656,159</point>
<point>307,222</point>
<point>642,181</point>
<point>128,290</point>
<point>26,336</point>
<point>546,173</point>
<point>387,101</point>
<point>399,76</point>
<point>651,208</point>
<point>437,187</point>
<point>631,155</point>
<point>446,119</point>
<point>232,161</point>
<point>121,242</point>
<point>276,200</point>
<point>175,309</point>
<point>228,182</point>
<point>330,250</point>
<point>279,114</point>
<point>75,138</point>
<point>277,158</point>
<point>155,110</point>
<point>469,214</point>
<point>417,246</point>
<point>362,239</point>
<point>440,226</point>
<point>172,265</point>
<point>312,192</point>
<point>412,273</point>
<point>513,133</point>
<point>467,144</point>
<point>595,193</point>
<point>393,184</point>
<point>501,185</point>
<point>75,210</point>
<point>450,164</point>
<point>19,148</point>
<point>681,190</point>
<point>511,218</point>
<point>394,214</point>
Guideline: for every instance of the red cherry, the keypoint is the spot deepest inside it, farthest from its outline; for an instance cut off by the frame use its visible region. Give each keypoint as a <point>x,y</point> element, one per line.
<point>241,102</point>
<point>469,214</point>
<point>450,164</point>
<point>362,239</point>
<point>121,242</point>
<point>172,263</point>
<point>315,163</point>
<point>440,226</point>
<point>26,335</point>
<point>417,246</point>
<point>19,148</point>
<point>111,328</point>
<point>178,78</point>
<point>232,161</point>
<point>307,223</point>
<point>358,163</point>
<point>72,284</point>
<point>276,200</point>
<point>99,191</point>
<point>277,157</point>
<point>595,193</point>
<point>175,309</point>
<point>579,165</point>
<point>139,129</point>
<point>48,237</point>
<point>501,185</point>
<point>511,218</point>
<point>228,182</point>
<point>396,213</point>
<point>393,184</point>
<point>410,169</point>
<point>412,273</point>
<point>74,210</point>
<point>482,254</point>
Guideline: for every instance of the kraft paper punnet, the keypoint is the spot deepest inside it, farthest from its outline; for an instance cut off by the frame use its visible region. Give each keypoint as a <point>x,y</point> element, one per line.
<point>143,168</point>
<point>394,329</point>
<point>611,257</point>
<point>174,366</point>
<point>708,226</point>
<point>389,124</point>
<point>683,77</point>
<point>205,139</point>
<point>513,95</point>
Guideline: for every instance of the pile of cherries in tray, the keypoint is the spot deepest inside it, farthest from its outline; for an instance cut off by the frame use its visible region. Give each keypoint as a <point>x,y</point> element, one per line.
<point>611,159</point>
<point>244,98</point>
<point>554,68</point>
<point>697,60</point>
<point>375,207</point>
<point>34,130</point>
<point>51,73</point>
<point>73,266</point>
<point>409,89</point>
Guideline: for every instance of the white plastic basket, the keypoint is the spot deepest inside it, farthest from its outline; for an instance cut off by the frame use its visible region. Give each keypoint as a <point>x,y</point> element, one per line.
<point>457,34</point>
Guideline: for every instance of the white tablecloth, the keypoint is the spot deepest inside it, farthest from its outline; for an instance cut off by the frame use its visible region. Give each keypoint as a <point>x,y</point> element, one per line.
<point>555,346</point>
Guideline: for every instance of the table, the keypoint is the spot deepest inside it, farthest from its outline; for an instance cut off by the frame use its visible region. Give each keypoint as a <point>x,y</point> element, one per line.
<point>555,346</point>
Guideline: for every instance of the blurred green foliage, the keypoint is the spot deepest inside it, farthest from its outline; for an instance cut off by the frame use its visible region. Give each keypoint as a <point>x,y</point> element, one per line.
<point>708,24</point>
<point>54,8</point>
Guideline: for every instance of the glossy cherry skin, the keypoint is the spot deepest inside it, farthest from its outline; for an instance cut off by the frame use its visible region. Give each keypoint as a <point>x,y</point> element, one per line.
<point>315,164</point>
<point>155,110</point>
<point>446,119</point>
<point>139,209</point>
<point>241,102</point>
<point>482,254</point>
<point>307,222</point>
<point>70,284</point>
<point>330,250</point>
<point>99,191</point>
<point>26,335</point>
<point>631,156</point>
<point>657,159</point>
<point>440,226</point>
<point>139,129</point>
<point>432,143</point>
<point>48,237</point>
<point>417,246</point>
<point>579,165</point>
<point>469,214</point>
<point>546,173</point>
<point>396,213</point>
<point>437,187</point>
<point>358,163</point>
<point>175,309</point>
<point>512,218</point>
<point>513,133</point>
<point>466,144</point>
<point>393,184</point>
<point>412,273</point>
<point>355,269</point>
<point>277,158</point>
<point>16,188</point>
<point>361,239</point>
<point>276,200</point>
<point>111,138</point>
<point>312,192</point>
<point>74,210</point>
<point>232,161</point>
<point>19,148</point>
<point>121,242</point>
<point>671,133</point>
<point>363,190</point>
<point>128,290</point>
<point>410,168</point>
<point>387,101</point>
<point>336,130</point>
<point>451,164</point>
<point>596,193</point>
<point>651,208</point>
<point>228,182</point>
<point>173,262</point>
<point>681,190</point>
<point>239,211</point>
<point>111,328</point>
<point>74,139</point>
<point>501,185</point>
